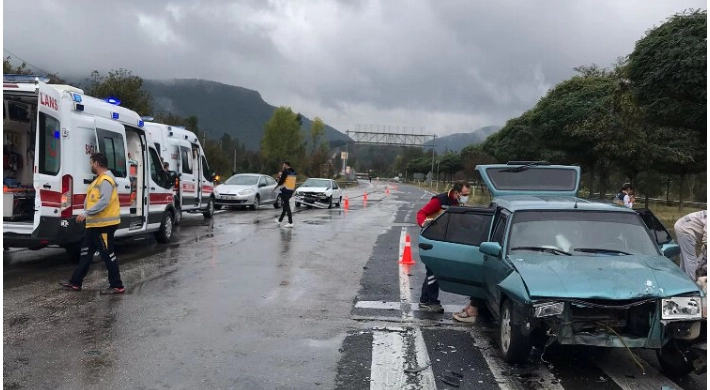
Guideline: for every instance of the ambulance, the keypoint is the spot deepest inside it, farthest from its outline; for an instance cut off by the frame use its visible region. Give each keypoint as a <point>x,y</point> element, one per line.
<point>49,133</point>
<point>193,181</point>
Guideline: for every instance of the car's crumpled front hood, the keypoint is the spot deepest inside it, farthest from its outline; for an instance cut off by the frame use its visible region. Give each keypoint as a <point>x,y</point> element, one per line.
<point>601,277</point>
<point>231,189</point>
<point>320,190</point>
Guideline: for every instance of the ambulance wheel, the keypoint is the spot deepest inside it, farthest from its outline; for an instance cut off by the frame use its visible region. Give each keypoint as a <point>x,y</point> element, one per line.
<point>178,217</point>
<point>165,234</point>
<point>256,203</point>
<point>340,201</point>
<point>210,209</point>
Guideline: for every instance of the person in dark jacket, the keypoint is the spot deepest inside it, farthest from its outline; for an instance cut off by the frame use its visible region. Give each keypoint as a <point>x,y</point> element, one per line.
<point>287,182</point>
<point>457,196</point>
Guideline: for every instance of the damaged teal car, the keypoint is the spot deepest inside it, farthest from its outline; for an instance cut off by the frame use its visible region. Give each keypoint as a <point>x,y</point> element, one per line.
<point>554,268</point>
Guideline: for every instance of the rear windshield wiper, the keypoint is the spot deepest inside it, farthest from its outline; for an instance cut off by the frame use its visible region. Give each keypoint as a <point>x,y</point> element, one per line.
<point>525,165</point>
<point>543,249</point>
<point>601,250</point>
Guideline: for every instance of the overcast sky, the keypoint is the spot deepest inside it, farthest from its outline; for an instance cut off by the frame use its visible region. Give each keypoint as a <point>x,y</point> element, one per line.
<point>438,66</point>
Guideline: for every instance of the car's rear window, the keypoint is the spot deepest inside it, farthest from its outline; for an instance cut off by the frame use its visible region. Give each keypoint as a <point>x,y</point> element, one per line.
<point>533,178</point>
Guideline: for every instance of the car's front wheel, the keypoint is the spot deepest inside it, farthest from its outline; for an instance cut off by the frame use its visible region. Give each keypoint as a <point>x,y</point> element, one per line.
<point>256,203</point>
<point>330,202</point>
<point>277,203</point>
<point>298,204</point>
<point>514,344</point>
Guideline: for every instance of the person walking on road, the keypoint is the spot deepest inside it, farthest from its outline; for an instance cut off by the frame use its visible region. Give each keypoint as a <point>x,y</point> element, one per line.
<point>457,196</point>
<point>102,213</point>
<point>287,182</point>
<point>688,230</point>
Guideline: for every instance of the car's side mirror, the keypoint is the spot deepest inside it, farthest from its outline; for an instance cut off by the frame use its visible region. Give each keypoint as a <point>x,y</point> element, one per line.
<point>491,248</point>
<point>670,250</point>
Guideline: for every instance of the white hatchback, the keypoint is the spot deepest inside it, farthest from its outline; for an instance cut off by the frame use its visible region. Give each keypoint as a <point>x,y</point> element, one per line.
<point>323,191</point>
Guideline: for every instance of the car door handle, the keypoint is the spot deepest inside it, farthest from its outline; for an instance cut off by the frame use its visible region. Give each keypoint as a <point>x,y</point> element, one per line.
<point>152,188</point>
<point>127,187</point>
<point>87,181</point>
<point>426,247</point>
<point>47,186</point>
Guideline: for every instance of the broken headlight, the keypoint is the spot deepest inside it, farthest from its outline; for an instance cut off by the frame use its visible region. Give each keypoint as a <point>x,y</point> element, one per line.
<point>548,309</point>
<point>681,308</point>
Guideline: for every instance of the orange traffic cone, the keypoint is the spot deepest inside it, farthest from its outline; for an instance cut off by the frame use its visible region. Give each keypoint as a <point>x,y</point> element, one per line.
<point>407,253</point>
<point>365,197</point>
<point>387,191</point>
<point>346,203</point>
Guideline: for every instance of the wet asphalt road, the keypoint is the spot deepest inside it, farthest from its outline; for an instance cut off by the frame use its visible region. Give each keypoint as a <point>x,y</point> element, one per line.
<point>238,303</point>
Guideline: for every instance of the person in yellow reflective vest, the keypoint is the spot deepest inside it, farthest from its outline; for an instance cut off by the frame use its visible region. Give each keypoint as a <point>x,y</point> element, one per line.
<point>288,181</point>
<point>102,213</point>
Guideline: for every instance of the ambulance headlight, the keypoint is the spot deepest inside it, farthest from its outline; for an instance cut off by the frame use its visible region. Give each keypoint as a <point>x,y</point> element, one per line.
<point>245,192</point>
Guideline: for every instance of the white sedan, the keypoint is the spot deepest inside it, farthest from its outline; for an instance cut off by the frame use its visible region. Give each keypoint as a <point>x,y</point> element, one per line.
<point>247,190</point>
<point>324,191</point>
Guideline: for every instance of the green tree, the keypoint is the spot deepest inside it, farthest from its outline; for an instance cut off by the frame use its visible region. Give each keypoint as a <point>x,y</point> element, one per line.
<point>668,72</point>
<point>8,68</point>
<point>123,85</point>
<point>282,138</point>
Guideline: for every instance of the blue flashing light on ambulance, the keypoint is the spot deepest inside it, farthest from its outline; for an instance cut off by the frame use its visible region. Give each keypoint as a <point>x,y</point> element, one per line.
<point>49,132</point>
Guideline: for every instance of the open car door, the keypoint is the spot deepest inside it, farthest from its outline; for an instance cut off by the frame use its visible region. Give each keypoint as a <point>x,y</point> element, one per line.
<point>658,231</point>
<point>531,178</point>
<point>449,247</point>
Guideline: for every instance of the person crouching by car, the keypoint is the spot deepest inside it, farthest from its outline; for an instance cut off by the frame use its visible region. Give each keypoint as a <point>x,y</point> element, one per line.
<point>457,196</point>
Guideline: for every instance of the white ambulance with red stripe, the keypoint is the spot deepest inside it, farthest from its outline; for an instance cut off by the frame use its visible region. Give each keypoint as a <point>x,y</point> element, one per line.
<point>49,132</point>
<point>194,183</point>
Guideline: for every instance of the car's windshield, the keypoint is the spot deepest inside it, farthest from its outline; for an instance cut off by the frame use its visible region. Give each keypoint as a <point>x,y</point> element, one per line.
<point>242,180</point>
<point>317,183</point>
<point>581,233</point>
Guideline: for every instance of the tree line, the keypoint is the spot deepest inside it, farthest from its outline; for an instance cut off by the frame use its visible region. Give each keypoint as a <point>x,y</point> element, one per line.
<point>641,121</point>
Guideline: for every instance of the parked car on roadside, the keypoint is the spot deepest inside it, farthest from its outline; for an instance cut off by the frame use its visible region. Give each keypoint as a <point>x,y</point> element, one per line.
<point>554,268</point>
<point>247,190</point>
<point>323,191</point>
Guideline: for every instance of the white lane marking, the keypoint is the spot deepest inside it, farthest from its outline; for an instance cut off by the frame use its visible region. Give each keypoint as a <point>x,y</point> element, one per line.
<point>378,305</point>
<point>480,341</point>
<point>618,364</point>
<point>426,379</point>
<point>405,294</point>
<point>387,369</point>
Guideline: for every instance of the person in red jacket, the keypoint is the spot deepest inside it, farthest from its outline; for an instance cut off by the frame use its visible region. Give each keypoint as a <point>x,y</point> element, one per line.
<point>457,196</point>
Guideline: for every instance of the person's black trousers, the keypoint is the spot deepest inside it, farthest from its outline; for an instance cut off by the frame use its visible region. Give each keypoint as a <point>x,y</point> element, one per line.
<point>430,288</point>
<point>286,204</point>
<point>101,239</point>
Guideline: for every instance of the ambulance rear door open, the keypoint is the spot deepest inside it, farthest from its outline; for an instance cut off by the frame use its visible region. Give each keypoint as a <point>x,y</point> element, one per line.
<point>112,141</point>
<point>53,189</point>
<point>189,188</point>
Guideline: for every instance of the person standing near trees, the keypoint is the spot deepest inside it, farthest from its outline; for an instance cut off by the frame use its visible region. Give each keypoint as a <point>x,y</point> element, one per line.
<point>625,196</point>
<point>287,182</point>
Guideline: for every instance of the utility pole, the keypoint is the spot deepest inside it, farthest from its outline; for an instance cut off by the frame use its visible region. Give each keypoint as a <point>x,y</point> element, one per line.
<point>433,149</point>
<point>235,161</point>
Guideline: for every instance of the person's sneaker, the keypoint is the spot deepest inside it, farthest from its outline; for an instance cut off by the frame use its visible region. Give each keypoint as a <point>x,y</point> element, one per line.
<point>114,290</point>
<point>70,286</point>
<point>278,222</point>
<point>431,307</point>
<point>288,225</point>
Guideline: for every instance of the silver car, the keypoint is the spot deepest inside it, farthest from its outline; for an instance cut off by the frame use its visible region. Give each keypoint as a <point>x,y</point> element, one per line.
<point>247,190</point>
